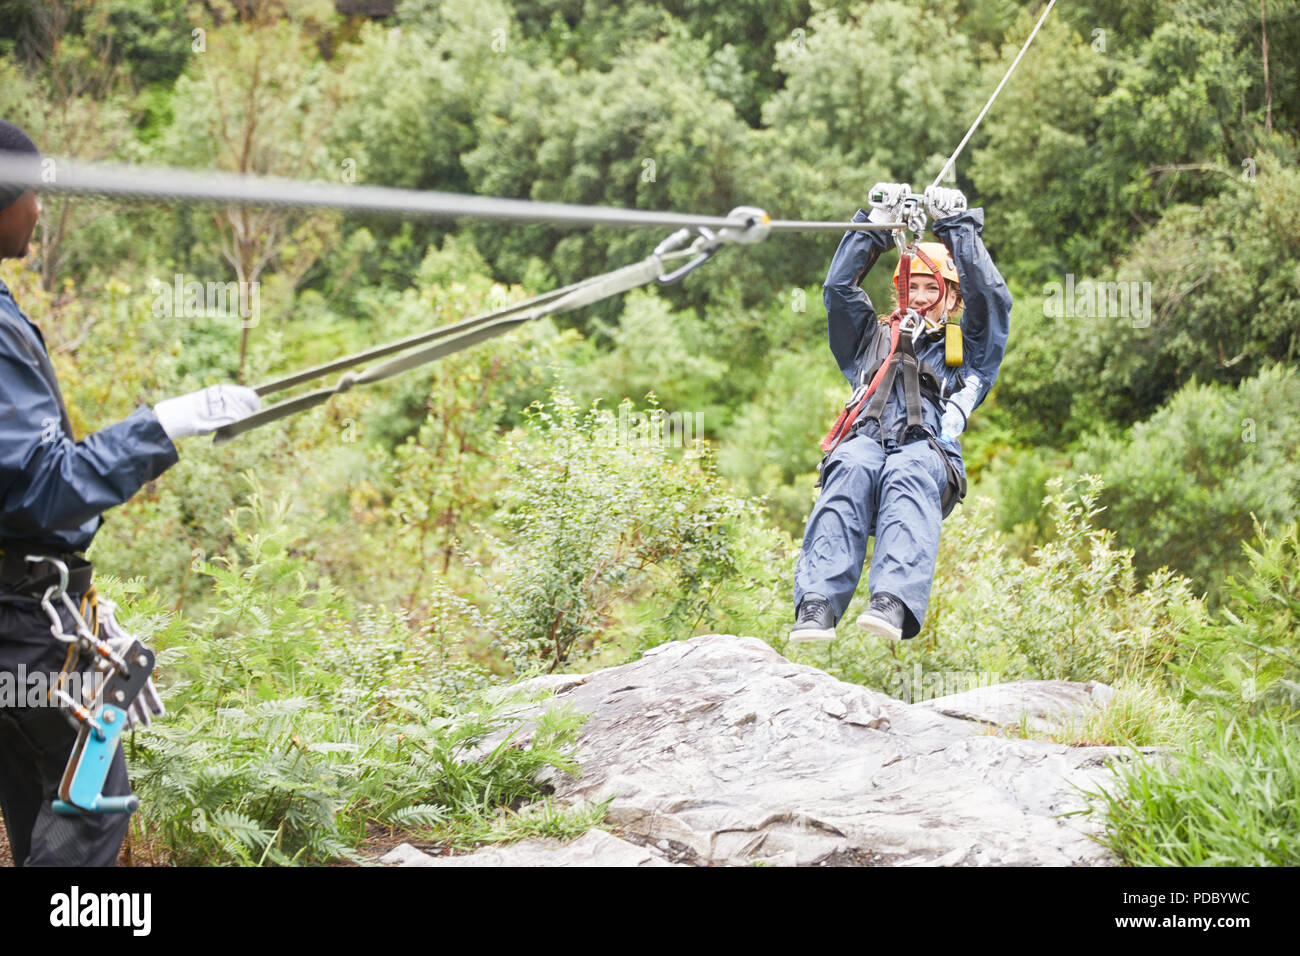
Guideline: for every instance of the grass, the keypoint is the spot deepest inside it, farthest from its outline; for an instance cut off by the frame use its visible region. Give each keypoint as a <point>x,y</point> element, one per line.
<point>1141,714</point>
<point>1232,799</point>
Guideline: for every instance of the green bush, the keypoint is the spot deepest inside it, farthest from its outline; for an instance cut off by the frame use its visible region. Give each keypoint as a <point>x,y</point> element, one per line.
<point>1182,486</point>
<point>597,509</point>
<point>1249,661</point>
<point>296,719</point>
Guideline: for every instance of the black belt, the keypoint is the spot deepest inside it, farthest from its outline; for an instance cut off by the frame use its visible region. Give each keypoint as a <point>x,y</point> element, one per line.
<point>21,579</point>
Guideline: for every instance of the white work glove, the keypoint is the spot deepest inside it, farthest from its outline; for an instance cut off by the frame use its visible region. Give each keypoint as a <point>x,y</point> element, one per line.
<point>941,202</point>
<point>960,405</point>
<point>206,410</point>
<point>887,201</point>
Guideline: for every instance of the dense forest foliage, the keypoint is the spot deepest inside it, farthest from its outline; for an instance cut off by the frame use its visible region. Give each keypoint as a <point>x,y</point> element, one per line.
<point>361,571</point>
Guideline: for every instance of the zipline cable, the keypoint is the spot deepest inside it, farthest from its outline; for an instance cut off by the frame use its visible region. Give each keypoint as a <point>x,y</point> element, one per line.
<point>58,175</point>
<point>975,125</point>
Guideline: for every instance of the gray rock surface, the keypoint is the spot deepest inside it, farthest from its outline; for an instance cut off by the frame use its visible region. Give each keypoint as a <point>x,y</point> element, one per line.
<point>1044,706</point>
<point>728,753</point>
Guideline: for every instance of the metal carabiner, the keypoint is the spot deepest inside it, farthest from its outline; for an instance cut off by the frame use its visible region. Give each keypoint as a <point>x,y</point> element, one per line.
<point>53,592</point>
<point>913,324</point>
<point>707,241</point>
<point>83,636</point>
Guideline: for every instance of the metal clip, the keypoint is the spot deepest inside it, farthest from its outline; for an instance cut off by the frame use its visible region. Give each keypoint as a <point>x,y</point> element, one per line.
<point>706,245</point>
<point>52,592</point>
<point>913,324</point>
<point>83,635</point>
<point>912,213</point>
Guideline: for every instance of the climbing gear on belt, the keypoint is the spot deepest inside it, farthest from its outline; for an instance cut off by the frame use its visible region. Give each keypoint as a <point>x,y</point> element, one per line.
<point>118,677</point>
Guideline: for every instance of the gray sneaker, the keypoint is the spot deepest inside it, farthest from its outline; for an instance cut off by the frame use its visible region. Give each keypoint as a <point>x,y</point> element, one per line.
<point>884,617</point>
<point>815,621</point>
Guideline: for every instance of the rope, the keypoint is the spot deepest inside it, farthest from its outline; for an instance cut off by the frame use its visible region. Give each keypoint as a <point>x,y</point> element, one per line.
<point>962,145</point>
<point>448,340</point>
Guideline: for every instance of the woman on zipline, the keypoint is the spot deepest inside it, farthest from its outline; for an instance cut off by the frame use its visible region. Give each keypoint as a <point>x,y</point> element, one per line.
<point>885,473</point>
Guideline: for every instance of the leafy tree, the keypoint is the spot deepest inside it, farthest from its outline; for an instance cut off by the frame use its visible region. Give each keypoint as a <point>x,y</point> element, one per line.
<point>1182,486</point>
<point>647,134</point>
<point>259,102</point>
<point>861,90</point>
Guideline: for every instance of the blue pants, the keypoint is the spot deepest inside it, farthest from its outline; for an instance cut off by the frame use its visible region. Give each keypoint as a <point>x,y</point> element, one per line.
<point>893,493</point>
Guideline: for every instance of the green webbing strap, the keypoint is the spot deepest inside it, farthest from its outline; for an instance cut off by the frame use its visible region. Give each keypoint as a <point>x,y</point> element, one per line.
<point>420,338</point>
<point>446,341</point>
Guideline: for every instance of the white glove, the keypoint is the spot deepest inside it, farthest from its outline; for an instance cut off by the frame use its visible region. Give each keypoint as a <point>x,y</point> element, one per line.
<point>887,201</point>
<point>941,202</point>
<point>206,410</point>
<point>960,405</point>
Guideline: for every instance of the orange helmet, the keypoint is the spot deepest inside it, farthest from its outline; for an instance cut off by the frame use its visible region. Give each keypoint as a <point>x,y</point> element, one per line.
<point>942,258</point>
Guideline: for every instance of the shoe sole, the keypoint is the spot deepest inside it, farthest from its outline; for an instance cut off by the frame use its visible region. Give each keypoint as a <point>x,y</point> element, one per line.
<point>879,627</point>
<point>810,635</point>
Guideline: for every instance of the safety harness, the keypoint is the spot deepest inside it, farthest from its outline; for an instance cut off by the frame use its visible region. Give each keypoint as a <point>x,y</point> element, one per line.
<point>906,326</point>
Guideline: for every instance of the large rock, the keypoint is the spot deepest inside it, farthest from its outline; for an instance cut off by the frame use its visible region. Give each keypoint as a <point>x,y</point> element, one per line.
<point>1041,706</point>
<point>726,752</point>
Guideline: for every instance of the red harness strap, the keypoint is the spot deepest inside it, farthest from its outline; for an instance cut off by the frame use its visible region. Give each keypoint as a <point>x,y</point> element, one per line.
<point>844,424</point>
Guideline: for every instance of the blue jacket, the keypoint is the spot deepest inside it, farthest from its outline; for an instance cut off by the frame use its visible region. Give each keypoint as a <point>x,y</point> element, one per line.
<point>852,323</point>
<point>52,488</point>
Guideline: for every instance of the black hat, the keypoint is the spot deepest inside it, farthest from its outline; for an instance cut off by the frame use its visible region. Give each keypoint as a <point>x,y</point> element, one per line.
<point>14,140</point>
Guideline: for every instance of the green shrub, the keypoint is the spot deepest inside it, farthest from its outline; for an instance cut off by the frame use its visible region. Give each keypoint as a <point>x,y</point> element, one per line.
<point>598,509</point>
<point>1182,486</point>
<point>1249,660</point>
<point>296,719</point>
